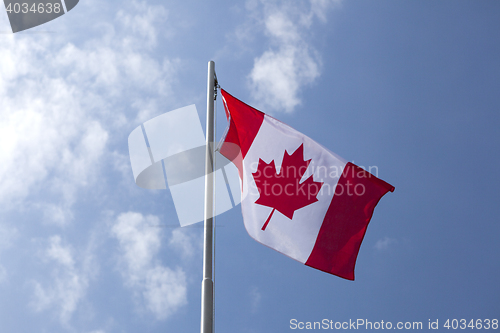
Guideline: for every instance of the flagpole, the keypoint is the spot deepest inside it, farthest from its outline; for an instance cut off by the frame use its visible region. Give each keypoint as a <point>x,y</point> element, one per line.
<point>207,285</point>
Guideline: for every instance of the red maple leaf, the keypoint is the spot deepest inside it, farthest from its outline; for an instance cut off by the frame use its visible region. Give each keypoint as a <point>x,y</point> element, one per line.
<point>282,191</point>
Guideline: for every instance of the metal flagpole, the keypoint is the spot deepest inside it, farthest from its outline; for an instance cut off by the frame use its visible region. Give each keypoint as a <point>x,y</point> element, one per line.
<point>207,285</point>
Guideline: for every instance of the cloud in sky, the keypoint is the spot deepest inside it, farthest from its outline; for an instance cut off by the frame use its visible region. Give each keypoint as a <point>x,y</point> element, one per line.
<point>255,299</point>
<point>64,105</point>
<point>144,21</point>
<point>70,280</point>
<point>384,243</point>
<point>290,62</point>
<point>160,289</point>
<point>61,101</point>
<point>183,243</point>
<point>7,236</point>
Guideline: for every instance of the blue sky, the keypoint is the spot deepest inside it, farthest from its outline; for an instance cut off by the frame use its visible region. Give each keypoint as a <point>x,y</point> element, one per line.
<point>408,87</point>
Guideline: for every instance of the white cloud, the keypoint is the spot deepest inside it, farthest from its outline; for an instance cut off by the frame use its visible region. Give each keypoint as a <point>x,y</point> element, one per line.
<point>139,242</point>
<point>182,242</point>
<point>162,289</point>
<point>66,105</point>
<point>7,236</point>
<point>255,299</point>
<point>69,283</point>
<point>290,62</point>
<point>165,290</point>
<point>56,214</point>
<point>60,253</point>
<point>61,101</point>
<point>384,243</point>
<point>65,294</point>
<point>144,21</point>
<point>320,7</point>
<point>277,77</point>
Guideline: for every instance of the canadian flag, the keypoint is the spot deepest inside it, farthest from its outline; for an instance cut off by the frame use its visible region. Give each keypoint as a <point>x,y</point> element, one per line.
<point>299,198</point>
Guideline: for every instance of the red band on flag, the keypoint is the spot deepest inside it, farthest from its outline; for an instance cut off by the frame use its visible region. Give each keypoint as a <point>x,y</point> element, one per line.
<point>343,229</point>
<point>244,124</point>
<point>243,127</point>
